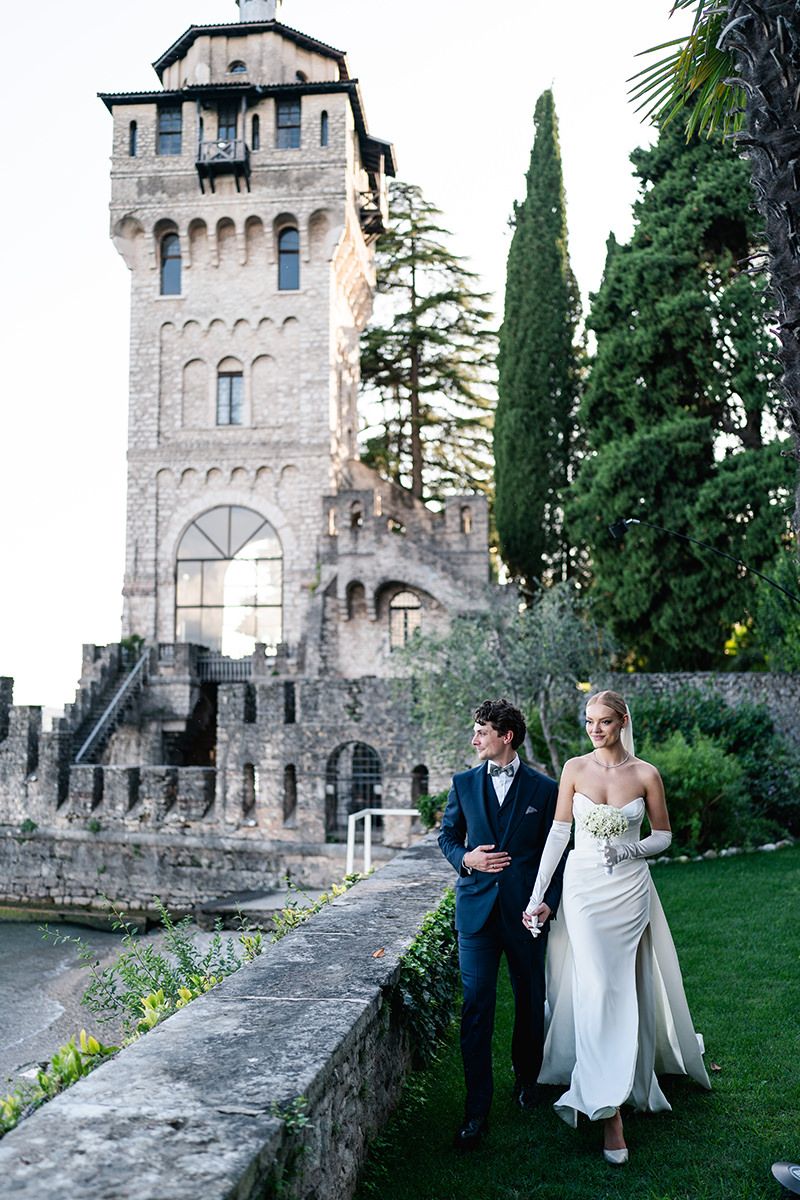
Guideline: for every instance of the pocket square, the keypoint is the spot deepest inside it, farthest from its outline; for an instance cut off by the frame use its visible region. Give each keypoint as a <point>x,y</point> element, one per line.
<point>530,809</point>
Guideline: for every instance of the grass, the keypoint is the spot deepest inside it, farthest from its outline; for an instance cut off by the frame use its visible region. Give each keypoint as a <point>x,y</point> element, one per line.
<point>735,924</point>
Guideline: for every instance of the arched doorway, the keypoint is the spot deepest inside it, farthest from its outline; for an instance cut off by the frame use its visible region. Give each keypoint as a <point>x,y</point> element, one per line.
<point>353,780</point>
<point>228,582</point>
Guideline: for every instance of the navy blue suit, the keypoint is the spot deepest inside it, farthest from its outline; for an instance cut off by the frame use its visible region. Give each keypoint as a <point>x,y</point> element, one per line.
<point>489,918</point>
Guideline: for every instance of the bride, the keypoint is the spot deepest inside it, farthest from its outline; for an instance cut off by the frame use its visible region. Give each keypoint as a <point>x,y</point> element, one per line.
<point>615,995</point>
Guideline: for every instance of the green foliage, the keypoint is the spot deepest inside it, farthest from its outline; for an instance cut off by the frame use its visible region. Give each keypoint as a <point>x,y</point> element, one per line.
<point>777,618</point>
<point>536,656</point>
<point>430,808</point>
<point>678,410</point>
<point>770,767</point>
<point>71,1062</point>
<point>695,78</point>
<point>295,913</point>
<point>28,826</point>
<point>704,787</point>
<point>143,977</point>
<point>536,433</point>
<point>429,978</point>
<point>93,825</point>
<point>426,357</point>
<point>293,1113</point>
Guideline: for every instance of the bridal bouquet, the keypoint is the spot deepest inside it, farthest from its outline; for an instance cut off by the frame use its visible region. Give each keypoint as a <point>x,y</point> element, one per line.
<point>603,823</point>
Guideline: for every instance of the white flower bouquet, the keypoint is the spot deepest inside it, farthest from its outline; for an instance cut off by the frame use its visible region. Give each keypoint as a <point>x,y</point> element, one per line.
<point>603,823</point>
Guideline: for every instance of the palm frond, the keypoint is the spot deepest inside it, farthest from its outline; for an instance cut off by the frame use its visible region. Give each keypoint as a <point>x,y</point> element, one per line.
<point>694,79</point>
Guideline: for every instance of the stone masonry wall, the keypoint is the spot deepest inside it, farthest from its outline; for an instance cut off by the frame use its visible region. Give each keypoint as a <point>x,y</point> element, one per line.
<point>189,1110</point>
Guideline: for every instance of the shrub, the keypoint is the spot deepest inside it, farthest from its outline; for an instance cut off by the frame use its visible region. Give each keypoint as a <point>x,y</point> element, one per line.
<point>430,808</point>
<point>770,766</point>
<point>705,792</point>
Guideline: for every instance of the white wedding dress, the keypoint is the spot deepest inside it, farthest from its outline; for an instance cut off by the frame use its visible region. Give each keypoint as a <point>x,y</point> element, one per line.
<point>617,1011</point>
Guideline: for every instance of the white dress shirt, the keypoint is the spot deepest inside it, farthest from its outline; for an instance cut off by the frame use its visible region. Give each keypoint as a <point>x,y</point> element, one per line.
<point>501,783</point>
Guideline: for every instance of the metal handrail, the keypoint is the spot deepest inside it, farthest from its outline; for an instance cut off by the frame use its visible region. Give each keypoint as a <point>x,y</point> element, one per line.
<point>117,700</point>
<point>367,814</point>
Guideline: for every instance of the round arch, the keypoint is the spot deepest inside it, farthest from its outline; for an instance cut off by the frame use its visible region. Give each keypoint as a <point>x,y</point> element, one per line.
<point>353,780</point>
<point>228,582</point>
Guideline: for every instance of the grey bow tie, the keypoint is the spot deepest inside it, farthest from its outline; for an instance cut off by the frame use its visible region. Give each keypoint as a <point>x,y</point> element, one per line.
<point>495,771</point>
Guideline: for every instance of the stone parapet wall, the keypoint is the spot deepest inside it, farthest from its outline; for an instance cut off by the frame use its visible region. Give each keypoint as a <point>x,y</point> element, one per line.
<point>74,868</point>
<point>190,1109</point>
<point>780,693</point>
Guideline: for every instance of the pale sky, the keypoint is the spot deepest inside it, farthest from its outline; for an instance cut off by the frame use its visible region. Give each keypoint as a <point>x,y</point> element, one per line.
<point>452,85</point>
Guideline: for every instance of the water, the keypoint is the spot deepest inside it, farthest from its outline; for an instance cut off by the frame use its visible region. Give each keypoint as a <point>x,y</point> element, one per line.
<point>41,986</point>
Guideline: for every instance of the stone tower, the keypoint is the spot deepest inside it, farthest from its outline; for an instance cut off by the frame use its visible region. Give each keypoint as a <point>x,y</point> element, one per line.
<point>246,195</point>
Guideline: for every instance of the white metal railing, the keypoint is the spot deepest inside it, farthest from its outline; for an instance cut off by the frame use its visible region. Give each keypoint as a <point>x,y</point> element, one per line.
<point>120,698</point>
<point>218,668</point>
<point>367,814</point>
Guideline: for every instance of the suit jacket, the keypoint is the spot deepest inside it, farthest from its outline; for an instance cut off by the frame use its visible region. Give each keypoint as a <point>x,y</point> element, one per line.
<point>471,819</point>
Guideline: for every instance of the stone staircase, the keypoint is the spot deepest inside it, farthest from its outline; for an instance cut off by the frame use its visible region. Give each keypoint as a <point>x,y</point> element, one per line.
<point>108,703</point>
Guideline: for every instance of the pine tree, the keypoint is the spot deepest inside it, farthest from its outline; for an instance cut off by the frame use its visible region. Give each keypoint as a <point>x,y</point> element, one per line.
<point>428,362</point>
<point>535,441</point>
<point>679,412</point>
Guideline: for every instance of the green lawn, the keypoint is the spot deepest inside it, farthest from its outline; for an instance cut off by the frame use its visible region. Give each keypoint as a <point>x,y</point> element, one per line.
<point>736,925</point>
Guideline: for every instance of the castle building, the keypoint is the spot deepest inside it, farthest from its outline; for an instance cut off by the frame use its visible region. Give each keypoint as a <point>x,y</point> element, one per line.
<point>270,575</point>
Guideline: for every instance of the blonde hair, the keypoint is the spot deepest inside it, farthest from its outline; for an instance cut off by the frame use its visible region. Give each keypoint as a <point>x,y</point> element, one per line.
<point>612,700</point>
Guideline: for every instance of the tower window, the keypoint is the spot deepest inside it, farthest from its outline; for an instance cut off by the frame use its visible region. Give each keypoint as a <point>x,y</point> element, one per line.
<point>226,123</point>
<point>289,703</point>
<point>170,265</point>
<point>255,135</point>
<point>228,582</point>
<point>133,140</point>
<point>230,397</point>
<point>237,68</point>
<point>289,793</point>
<point>287,130</point>
<point>466,519</point>
<point>170,117</point>
<point>288,260</point>
<point>405,617</point>
<point>323,129</point>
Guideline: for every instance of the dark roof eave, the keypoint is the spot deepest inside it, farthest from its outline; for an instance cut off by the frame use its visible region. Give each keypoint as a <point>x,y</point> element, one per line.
<point>372,148</point>
<point>239,29</point>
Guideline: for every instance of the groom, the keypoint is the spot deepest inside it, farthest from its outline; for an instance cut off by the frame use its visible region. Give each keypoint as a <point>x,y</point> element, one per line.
<point>494,828</point>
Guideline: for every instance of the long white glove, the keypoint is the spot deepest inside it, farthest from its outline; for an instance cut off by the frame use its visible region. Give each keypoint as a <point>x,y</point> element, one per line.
<point>659,839</point>
<point>554,847</point>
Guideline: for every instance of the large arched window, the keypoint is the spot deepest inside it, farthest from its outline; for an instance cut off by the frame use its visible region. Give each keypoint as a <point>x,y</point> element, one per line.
<point>255,134</point>
<point>353,780</point>
<point>405,617</point>
<point>288,259</point>
<point>323,129</point>
<point>170,265</point>
<point>228,585</point>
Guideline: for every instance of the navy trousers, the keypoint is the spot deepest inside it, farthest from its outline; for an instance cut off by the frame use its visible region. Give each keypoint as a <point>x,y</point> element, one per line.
<point>479,958</point>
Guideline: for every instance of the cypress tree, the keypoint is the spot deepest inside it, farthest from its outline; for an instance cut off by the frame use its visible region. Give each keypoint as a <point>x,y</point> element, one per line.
<point>427,356</point>
<point>535,441</point>
<point>679,413</point>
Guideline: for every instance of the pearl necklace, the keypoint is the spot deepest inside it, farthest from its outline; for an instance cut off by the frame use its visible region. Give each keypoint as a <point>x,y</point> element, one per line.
<point>610,766</point>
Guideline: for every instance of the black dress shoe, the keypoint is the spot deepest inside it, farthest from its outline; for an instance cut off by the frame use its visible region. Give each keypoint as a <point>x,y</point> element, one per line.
<point>528,1096</point>
<point>470,1133</point>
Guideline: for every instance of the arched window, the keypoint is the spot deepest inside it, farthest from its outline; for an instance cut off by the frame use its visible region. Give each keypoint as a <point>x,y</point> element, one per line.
<point>133,139</point>
<point>323,129</point>
<point>405,617</point>
<point>356,515</point>
<point>288,260</point>
<point>170,265</point>
<point>419,783</point>
<point>230,398</point>
<point>353,780</point>
<point>255,133</point>
<point>289,794</point>
<point>466,519</point>
<point>248,789</point>
<point>237,68</point>
<point>228,585</point>
<point>289,703</point>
